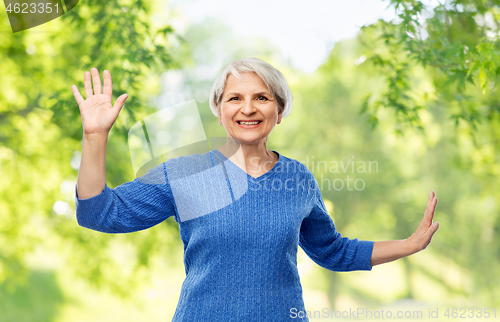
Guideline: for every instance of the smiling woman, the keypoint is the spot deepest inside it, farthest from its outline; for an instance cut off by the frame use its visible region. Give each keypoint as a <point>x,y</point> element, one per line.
<point>250,97</point>
<point>242,210</point>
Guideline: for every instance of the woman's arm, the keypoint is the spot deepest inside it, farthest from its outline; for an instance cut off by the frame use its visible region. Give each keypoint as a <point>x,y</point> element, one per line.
<point>132,206</point>
<point>91,174</point>
<point>98,116</point>
<point>388,251</point>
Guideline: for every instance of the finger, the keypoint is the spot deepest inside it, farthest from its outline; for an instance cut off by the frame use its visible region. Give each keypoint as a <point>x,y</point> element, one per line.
<point>119,102</point>
<point>108,88</point>
<point>434,208</point>
<point>427,236</point>
<point>76,93</point>
<point>88,85</point>
<point>429,213</point>
<point>96,79</point>
<point>429,200</point>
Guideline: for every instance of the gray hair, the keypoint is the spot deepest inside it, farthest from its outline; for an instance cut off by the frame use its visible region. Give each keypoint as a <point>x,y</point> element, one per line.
<point>273,78</point>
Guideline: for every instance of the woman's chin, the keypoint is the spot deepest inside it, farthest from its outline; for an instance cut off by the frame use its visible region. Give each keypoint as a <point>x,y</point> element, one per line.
<point>248,139</point>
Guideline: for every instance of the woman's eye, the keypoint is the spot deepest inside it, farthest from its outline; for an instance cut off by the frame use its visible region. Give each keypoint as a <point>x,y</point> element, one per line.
<point>260,98</point>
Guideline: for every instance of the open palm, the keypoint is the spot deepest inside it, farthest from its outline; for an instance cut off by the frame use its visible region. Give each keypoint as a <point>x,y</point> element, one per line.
<point>422,237</point>
<point>97,112</point>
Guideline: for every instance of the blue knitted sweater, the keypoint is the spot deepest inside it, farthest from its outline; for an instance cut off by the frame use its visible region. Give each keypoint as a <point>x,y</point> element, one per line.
<point>240,233</point>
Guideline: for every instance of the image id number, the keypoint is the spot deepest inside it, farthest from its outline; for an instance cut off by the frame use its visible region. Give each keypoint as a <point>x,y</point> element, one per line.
<point>464,313</point>
<point>32,8</point>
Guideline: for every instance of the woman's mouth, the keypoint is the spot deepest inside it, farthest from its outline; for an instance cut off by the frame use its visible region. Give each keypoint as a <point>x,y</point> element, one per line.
<point>249,125</point>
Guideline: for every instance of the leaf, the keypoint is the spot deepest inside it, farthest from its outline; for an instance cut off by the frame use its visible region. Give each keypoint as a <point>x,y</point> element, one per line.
<point>483,79</point>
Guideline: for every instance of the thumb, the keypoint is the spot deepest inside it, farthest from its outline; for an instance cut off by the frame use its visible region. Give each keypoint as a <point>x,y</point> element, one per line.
<point>120,101</point>
<point>427,237</point>
<point>432,229</point>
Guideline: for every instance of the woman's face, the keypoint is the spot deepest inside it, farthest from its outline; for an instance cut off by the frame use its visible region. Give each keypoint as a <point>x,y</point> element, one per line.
<point>248,99</point>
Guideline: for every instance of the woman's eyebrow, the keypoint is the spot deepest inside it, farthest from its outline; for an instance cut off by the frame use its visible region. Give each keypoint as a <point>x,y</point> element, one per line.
<point>259,93</point>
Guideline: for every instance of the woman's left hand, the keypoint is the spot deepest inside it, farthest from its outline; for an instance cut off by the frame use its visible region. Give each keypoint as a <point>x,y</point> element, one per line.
<point>421,238</point>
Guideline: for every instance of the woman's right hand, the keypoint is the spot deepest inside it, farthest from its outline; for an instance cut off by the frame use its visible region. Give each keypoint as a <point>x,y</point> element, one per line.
<point>98,115</point>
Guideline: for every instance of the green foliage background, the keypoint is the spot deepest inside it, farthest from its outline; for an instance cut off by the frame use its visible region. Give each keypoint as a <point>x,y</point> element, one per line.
<point>417,95</point>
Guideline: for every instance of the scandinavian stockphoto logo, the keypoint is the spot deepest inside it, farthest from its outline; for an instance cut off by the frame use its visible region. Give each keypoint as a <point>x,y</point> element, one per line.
<point>25,14</point>
<point>176,134</point>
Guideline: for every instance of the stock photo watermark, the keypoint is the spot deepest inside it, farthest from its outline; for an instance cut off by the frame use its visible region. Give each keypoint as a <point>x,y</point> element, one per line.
<point>325,183</point>
<point>338,167</point>
<point>365,313</point>
<point>26,14</point>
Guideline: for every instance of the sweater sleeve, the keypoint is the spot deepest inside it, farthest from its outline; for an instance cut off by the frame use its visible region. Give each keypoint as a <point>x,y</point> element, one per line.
<point>140,204</point>
<point>325,245</point>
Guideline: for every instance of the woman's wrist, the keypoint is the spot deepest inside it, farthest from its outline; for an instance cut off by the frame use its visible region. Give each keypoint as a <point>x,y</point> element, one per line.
<point>95,136</point>
<point>410,246</point>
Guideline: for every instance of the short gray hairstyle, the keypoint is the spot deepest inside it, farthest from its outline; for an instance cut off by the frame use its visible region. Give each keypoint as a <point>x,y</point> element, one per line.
<point>273,78</point>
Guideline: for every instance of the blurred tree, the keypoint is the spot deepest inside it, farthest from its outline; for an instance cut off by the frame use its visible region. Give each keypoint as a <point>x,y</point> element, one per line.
<point>457,41</point>
<point>41,131</point>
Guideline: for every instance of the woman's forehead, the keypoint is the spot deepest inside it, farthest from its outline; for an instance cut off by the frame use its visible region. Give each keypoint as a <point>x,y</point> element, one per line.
<point>249,82</point>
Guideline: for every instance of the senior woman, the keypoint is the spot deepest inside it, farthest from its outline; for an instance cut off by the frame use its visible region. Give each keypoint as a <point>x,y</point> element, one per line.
<point>242,209</point>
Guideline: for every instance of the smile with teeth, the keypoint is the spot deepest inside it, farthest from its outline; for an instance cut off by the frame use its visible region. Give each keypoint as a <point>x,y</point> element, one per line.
<point>249,123</point>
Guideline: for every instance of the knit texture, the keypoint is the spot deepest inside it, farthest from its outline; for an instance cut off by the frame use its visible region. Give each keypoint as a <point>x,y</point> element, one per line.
<point>240,233</point>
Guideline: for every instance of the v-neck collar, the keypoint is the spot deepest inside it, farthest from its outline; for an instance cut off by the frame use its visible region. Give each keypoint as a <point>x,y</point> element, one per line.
<point>261,177</point>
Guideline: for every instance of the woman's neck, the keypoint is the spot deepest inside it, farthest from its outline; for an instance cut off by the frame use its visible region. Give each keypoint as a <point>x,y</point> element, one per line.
<point>254,159</point>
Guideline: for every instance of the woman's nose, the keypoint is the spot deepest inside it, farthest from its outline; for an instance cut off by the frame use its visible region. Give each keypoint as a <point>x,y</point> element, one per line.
<point>248,107</point>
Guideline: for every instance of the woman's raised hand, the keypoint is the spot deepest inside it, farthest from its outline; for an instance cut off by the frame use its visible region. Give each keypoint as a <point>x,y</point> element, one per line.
<point>421,238</point>
<point>98,115</point>
<point>387,251</point>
